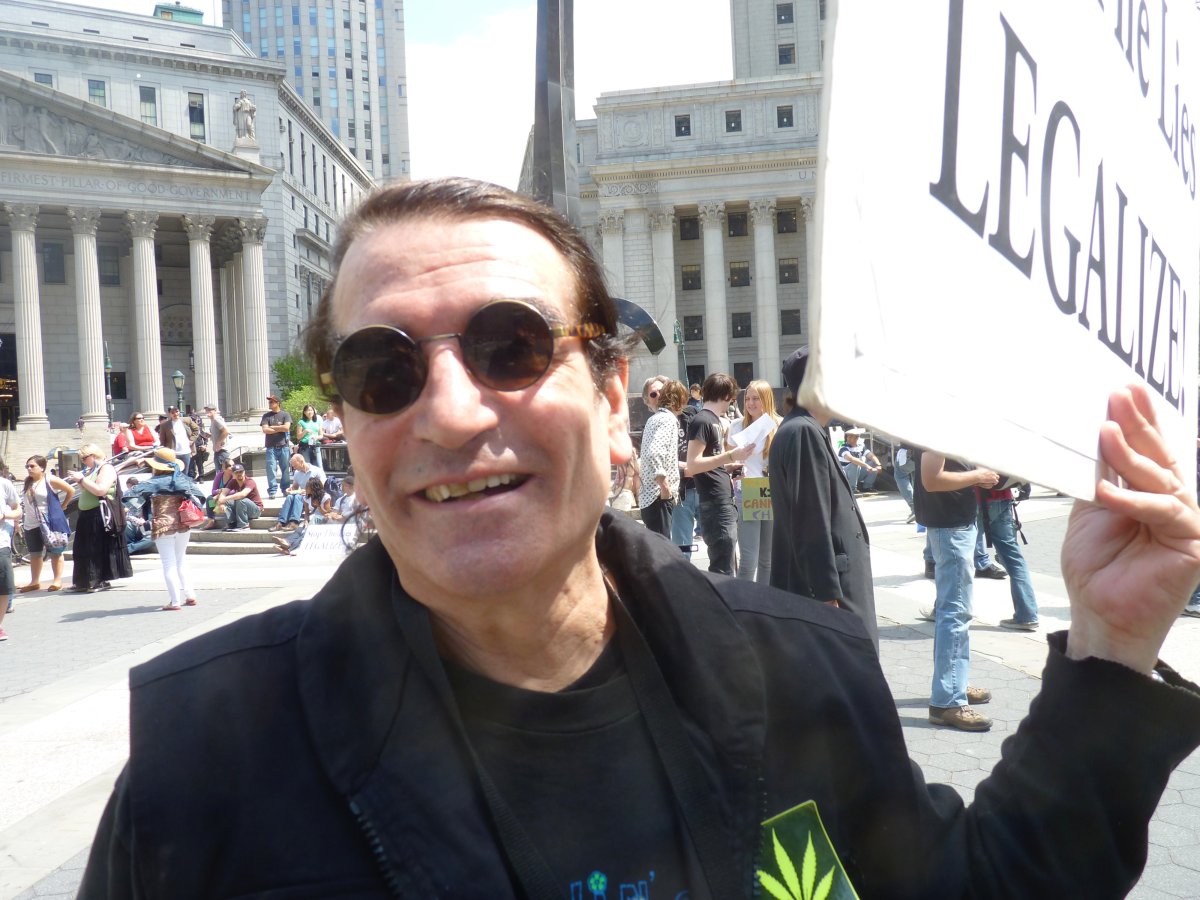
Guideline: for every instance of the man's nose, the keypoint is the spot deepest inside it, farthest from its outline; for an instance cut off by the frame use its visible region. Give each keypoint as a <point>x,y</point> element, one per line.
<point>453,408</point>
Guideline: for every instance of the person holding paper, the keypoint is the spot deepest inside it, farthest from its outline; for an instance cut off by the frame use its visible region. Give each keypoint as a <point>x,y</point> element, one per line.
<point>820,547</point>
<point>756,427</point>
<point>510,691</point>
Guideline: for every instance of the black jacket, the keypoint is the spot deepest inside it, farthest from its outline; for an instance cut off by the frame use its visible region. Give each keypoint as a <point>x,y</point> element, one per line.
<point>305,753</point>
<point>820,547</point>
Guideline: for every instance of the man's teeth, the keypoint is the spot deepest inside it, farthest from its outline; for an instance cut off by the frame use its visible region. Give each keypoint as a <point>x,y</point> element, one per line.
<point>442,492</point>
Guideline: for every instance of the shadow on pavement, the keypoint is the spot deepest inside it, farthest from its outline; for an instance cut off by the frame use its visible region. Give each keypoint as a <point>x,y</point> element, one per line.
<point>85,615</point>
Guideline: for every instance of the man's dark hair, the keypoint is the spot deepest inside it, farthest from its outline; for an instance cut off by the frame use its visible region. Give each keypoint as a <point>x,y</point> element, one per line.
<point>718,386</point>
<point>464,199</point>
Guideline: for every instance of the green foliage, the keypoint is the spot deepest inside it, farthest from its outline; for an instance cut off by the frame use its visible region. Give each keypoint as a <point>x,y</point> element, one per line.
<point>291,373</point>
<point>295,402</point>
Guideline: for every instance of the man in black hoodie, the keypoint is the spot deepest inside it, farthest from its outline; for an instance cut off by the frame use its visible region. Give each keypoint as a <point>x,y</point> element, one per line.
<point>820,549</point>
<point>683,517</point>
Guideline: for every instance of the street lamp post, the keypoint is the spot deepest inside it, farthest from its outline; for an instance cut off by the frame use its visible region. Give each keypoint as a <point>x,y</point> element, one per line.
<point>178,381</point>
<point>678,337</point>
<point>108,384</point>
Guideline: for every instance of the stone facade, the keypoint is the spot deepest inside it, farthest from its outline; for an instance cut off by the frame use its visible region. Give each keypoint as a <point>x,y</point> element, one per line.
<point>135,226</point>
<point>698,199</point>
<point>346,59</point>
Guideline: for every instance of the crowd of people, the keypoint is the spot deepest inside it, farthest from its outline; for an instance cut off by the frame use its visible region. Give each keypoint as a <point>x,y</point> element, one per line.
<point>162,502</point>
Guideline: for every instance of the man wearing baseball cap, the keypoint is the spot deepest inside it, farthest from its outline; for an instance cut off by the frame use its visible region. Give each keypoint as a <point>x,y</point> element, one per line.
<point>275,425</point>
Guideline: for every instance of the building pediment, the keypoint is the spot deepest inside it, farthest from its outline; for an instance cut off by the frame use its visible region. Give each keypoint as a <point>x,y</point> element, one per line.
<point>40,121</point>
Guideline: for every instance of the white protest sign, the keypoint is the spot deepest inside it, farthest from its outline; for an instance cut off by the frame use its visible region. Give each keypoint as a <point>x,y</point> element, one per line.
<point>1009,226</point>
<point>334,539</point>
<point>755,433</point>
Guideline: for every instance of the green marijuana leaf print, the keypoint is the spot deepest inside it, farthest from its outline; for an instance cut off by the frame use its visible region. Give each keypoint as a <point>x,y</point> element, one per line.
<point>796,887</point>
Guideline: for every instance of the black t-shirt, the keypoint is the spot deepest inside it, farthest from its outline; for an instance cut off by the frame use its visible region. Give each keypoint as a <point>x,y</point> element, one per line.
<point>714,484</point>
<point>944,509</point>
<point>580,772</point>
<point>283,417</point>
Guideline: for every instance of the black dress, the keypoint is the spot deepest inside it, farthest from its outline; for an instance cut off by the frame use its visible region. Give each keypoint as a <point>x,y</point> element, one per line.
<point>97,555</point>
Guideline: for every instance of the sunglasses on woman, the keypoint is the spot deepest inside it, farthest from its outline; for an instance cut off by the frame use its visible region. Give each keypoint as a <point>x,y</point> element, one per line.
<point>507,345</point>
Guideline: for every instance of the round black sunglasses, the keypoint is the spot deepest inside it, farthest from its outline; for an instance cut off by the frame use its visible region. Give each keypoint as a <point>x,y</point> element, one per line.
<point>507,345</point>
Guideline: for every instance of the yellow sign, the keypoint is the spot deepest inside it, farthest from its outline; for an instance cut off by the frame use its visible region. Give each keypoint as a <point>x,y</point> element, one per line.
<point>756,499</point>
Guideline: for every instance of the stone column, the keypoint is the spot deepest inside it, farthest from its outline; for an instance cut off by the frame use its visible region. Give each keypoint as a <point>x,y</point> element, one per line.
<point>716,327</point>
<point>87,314</point>
<point>254,291</point>
<point>662,245</point>
<point>226,404</point>
<point>808,208</point>
<point>147,340</point>
<point>204,329</point>
<point>766,293</point>
<point>31,377</point>
<point>612,228</point>
<point>237,347</point>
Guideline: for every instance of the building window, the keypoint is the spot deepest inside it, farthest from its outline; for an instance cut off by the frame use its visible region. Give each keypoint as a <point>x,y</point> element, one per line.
<point>329,17</point>
<point>362,21</point>
<point>246,24</point>
<point>822,10</point>
<point>743,372</point>
<point>691,278</point>
<point>109,265</point>
<point>117,386</point>
<point>783,117</point>
<point>693,328</point>
<point>683,126</point>
<point>196,116</point>
<point>148,98</point>
<point>348,49</point>
<point>733,120</point>
<point>331,47</point>
<point>54,267</point>
<point>689,228</point>
<point>44,78</point>
<point>367,153</point>
<point>783,13</point>
<point>349,74</point>
<point>350,126</point>
<point>366,76</point>
<point>295,13</point>
<point>279,17</point>
<point>316,98</point>
<point>787,54</point>
<point>312,14</point>
<point>739,224</point>
<point>346,19</point>
<point>785,221</point>
<point>97,92</point>
<point>790,321</point>
<point>364,51</point>
<point>314,49</point>
<point>739,274</point>
<point>262,17</point>
<point>333,97</point>
<point>789,271</point>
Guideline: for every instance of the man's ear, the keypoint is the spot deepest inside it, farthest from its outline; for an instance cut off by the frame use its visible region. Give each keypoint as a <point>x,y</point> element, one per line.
<point>620,446</point>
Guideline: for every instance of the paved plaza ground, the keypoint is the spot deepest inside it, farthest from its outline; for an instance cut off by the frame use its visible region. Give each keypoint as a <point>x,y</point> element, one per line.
<point>63,696</point>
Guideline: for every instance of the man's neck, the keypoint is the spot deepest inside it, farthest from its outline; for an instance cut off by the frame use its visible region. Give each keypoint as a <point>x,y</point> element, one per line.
<point>717,407</point>
<point>541,640</point>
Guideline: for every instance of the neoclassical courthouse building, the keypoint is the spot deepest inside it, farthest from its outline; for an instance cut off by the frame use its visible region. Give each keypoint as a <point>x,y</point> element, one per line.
<point>699,198</point>
<point>167,203</point>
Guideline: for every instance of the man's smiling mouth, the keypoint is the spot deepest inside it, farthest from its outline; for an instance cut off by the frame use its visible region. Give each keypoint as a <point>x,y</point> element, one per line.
<point>492,484</point>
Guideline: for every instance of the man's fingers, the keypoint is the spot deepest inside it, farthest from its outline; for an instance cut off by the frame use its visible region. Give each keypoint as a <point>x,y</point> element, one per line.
<point>1167,514</point>
<point>1132,410</point>
<point>1140,472</point>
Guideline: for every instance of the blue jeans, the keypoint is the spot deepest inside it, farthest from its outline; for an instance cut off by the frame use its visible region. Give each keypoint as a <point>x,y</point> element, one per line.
<point>982,560</point>
<point>683,522</point>
<point>718,521</point>
<point>185,460</point>
<point>239,513</point>
<point>292,509</point>
<point>754,548</point>
<point>282,457</point>
<point>855,473</point>
<point>952,551</point>
<point>904,485</point>
<point>1004,540</point>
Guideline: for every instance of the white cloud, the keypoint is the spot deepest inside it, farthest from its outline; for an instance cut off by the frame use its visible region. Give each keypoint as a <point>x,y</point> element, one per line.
<point>471,101</point>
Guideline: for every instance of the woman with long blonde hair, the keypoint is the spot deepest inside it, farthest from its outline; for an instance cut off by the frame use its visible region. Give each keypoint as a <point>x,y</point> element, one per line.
<point>754,537</point>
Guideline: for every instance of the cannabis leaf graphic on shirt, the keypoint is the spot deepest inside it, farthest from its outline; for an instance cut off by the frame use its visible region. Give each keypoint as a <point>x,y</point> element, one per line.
<point>798,887</point>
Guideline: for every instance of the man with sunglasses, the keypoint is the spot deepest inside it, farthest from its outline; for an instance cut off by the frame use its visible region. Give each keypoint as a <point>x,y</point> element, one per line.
<point>512,692</point>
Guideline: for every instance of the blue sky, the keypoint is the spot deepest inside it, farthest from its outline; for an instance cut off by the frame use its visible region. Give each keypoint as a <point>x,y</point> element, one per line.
<point>470,68</point>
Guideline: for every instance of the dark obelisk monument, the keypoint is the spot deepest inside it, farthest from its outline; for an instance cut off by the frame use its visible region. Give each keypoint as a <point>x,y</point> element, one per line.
<point>554,179</point>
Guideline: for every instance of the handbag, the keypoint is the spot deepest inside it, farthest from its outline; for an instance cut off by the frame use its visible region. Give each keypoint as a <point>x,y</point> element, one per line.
<point>112,510</point>
<point>56,531</point>
<point>190,514</point>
